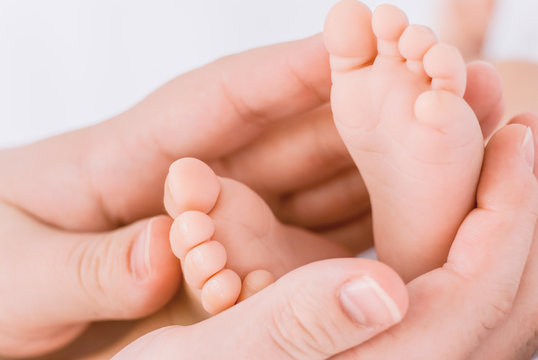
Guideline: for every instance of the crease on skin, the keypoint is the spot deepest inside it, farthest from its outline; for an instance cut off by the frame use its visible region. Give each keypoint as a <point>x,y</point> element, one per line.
<point>276,336</point>
<point>88,176</point>
<point>288,204</point>
<point>451,268</point>
<point>260,238</point>
<point>53,223</point>
<point>286,322</point>
<point>325,151</point>
<point>159,147</point>
<point>304,85</point>
<point>363,216</point>
<point>243,111</point>
<point>82,256</point>
<point>530,346</point>
<point>360,62</point>
<point>404,149</point>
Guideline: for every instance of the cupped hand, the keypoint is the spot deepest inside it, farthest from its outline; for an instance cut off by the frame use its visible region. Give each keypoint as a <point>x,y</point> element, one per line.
<point>472,307</point>
<point>344,308</point>
<point>81,235</point>
<point>516,337</point>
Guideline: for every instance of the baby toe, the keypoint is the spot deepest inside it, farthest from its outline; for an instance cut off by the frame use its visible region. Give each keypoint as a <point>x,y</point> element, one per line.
<point>202,262</point>
<point>221,291</point>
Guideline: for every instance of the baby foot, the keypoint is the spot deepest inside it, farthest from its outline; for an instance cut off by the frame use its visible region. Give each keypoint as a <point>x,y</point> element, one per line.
<point>229,242</point>
<point>397,103</point>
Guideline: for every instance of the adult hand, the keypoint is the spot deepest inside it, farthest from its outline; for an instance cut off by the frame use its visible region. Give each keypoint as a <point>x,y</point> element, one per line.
<point>311,313</point>
<point>80,205</point>
<point>471,308</point>
<point>320,312</point>
<point>516,337</point>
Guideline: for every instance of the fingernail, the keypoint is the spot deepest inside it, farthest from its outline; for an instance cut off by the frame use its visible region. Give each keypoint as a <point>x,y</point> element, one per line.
<point>140,254</point>
<point>368,304</point>
<point>528,148</point>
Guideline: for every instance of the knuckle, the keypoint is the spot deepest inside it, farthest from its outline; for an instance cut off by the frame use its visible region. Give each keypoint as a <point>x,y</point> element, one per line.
<point>95,265</point>
<point>498,308</point>
<point>300,334</point>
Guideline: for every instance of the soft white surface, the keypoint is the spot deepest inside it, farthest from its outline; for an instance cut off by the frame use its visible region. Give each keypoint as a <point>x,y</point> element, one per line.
<point>68,63</point>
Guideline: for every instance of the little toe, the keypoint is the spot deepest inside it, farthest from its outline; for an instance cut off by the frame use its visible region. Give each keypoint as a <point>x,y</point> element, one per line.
<point>445,65</point>
<point>221,291</point>
<point>348,35</point>
<point>202,262</point>
<point>189,230</point>
<point>190,185</point>
<point>388,23</point>
<point>415,41</point>
<point>255,281</point>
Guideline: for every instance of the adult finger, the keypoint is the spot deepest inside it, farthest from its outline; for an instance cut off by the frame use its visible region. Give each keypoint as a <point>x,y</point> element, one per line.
<point>309,153</point>
<point>233,98</point>
<point>463,301</point>
<point>313,150</point>
<point>312,313</point>
<point>58,281</point>
<point>484,94</point>
<point>205,113</point>
<point>516,338</point>
<point>307,149</point>
<point>336,201</point>
<point>356,236</point>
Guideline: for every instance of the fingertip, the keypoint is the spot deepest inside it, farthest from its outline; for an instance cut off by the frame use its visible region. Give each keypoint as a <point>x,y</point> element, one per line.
<point>389,290</point>
<point>390,282</point>
<point>484,93</point>
<point>299,304</point>
<point>163,273</point>
<point>530,119</point>
<point>507,181</point>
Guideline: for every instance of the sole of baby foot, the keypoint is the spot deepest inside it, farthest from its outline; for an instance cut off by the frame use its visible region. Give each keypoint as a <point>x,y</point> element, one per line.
<point>397,102</point>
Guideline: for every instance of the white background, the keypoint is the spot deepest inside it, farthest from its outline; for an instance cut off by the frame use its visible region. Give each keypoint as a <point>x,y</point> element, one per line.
<point>68,63</point>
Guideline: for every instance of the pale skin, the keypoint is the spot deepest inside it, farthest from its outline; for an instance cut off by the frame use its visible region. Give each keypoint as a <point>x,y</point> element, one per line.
<point>398,104</point>
<point>415,140</point>
<point>96,176</point>
<point>470,301</point>
<point>98,206</point>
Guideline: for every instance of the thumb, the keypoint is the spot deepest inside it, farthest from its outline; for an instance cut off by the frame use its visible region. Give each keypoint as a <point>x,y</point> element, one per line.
<point>127,273</point>
<point>63,280</point>
<point>314,312</point>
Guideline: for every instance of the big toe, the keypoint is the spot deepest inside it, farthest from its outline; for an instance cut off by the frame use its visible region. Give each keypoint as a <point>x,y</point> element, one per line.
<point>190,185</point>
<point>348,35</point>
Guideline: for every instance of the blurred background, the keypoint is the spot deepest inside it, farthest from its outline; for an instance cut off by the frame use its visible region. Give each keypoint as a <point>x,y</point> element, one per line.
<point>70,63</point>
